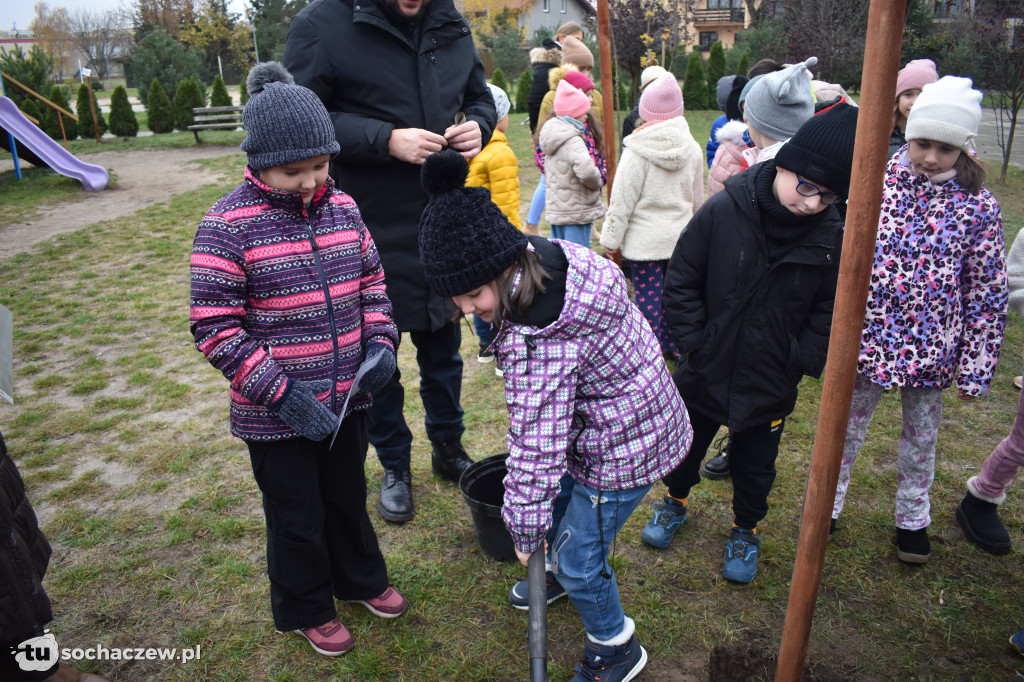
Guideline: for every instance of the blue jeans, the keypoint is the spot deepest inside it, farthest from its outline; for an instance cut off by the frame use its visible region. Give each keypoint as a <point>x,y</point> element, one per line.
<point>440,362</point>
<point>484,330</point>
<point>579,553</point>
<point>540,195</point>
<point>577,233</point>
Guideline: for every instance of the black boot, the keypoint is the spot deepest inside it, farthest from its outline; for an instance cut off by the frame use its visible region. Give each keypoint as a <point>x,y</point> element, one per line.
<point>448,459</point>
<point>717,467</point>
<point>912,546</point>
<point>396,496</point>
<point>980,522</point>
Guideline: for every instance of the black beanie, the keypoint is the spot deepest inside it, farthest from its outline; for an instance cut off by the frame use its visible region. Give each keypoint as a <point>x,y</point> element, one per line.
<point>732,101</point>
<point>465,240</point>
<point>822,149</point>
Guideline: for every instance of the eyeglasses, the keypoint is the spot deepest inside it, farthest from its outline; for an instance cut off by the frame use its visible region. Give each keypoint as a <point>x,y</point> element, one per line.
<point>808,189</point>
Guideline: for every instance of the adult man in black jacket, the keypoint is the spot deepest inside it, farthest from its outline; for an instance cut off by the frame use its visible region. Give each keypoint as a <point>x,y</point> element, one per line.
<point>397,77</point>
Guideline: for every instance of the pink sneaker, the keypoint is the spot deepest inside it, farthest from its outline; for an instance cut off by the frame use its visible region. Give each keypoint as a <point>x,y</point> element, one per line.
<point>330,639</point>
<point>390,604</point>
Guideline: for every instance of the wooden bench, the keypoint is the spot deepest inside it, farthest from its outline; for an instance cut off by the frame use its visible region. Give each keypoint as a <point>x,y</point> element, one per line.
<point>215,117</point>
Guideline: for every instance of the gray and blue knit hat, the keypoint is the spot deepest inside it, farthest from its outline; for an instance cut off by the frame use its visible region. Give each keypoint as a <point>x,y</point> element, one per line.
<point>283,122</point>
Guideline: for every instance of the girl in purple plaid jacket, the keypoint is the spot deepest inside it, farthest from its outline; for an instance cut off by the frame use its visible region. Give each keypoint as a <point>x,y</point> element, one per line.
<point>594,416</point>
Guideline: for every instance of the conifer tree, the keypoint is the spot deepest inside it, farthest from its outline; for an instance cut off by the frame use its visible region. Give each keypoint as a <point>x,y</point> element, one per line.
<point>159,111</point>
<point>744,64</point>
<point>49,122</point>
<point>29,108</point>
<point>86,126</point>
<point>498,80</point>
<point>523,86</point>
<point>122,119</point>
<point>695,90</point>
<point>186,98</point>
<point>716,70</point>
<point>219,96</point>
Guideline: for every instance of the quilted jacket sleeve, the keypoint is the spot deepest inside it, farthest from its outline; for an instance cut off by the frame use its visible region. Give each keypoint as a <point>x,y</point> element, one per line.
<point>217,314</point>
<point>540,389</point>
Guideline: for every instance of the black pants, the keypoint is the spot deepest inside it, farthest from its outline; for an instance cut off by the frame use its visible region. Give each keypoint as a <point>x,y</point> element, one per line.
<point>10,669</point>
<point>437,354</point>
<point>752,455</point>
<point>320,544</point>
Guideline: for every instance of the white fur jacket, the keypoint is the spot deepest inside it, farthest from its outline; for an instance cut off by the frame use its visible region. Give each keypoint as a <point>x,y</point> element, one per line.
<point>658,187</point>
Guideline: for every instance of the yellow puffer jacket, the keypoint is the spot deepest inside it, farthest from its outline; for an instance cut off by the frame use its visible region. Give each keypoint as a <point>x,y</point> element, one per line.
<point>496,168</point>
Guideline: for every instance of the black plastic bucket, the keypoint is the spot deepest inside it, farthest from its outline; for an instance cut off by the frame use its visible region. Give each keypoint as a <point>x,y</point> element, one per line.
<point>483,489</point>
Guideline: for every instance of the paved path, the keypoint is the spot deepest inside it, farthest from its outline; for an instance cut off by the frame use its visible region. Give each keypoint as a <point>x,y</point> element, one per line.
<point>987,143</point>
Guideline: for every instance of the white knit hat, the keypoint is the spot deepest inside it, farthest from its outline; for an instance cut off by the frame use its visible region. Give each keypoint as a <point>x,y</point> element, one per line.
<point>948,110</point>
<point>651,74</point>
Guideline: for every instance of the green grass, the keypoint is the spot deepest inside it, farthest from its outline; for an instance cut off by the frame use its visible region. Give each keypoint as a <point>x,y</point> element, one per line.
<point>120,431</point>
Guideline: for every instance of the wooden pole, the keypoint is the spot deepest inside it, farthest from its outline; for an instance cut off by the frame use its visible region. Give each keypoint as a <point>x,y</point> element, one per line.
<point>92,104</point>
<point>874,124</point>
<point>607,87</point>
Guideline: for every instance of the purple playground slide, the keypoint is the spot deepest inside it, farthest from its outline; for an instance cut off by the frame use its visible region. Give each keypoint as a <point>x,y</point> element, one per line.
<point>93,178</point>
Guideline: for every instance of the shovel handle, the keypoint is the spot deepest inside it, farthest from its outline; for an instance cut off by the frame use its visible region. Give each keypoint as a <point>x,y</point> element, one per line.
<point>538,633</point>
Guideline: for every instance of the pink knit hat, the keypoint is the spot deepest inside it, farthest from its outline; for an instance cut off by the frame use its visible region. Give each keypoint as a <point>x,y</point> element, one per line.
<point>570,101</point>
<point>915,75</point>
<point>661,100</point>
<point>578,80</point>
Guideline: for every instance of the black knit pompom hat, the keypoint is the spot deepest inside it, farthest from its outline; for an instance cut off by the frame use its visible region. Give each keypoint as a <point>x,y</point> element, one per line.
<point>465,240</point>
<point>283,122</point>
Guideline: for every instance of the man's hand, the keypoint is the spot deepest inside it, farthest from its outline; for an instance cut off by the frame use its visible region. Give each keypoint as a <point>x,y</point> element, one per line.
<point>414,145</point>
<point>465,138</point>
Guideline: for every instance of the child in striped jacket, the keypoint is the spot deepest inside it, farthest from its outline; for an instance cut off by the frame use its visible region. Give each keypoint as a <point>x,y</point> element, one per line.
<point>288,301</point>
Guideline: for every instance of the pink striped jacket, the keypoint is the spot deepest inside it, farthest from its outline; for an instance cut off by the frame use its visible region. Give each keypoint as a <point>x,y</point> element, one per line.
<point>280,293</point>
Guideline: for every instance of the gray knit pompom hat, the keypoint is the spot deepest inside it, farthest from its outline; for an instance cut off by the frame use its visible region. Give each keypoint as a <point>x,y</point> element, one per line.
<point>283,122</point>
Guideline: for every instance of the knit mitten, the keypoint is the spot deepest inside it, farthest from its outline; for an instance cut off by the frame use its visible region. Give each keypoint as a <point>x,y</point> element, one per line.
<point>304,413</point>
<point>378,376</point>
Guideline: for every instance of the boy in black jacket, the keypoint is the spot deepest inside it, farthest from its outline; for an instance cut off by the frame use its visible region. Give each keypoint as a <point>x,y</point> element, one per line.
<point>749,295</point>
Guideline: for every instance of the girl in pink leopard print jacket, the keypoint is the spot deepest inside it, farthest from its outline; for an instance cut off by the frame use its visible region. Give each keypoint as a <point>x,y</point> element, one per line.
<point>937,301</point>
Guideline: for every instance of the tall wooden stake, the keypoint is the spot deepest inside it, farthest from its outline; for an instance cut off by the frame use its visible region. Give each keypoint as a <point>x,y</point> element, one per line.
<point>874,124</point>
<point>607,89</point>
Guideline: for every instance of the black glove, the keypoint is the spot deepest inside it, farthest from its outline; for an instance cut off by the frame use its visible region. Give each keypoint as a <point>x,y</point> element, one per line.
<point>304,413</point>
<point>376,378</point>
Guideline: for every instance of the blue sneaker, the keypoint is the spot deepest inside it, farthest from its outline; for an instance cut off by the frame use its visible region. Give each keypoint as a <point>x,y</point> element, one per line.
<point>1017,642</point>
<point>519,596</point>
<point>740,564</point>
<point>668,516</point>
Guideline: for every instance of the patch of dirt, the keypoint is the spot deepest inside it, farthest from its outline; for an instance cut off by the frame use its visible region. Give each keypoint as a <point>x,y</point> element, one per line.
<point>753,656</point>
<point>144,177</point>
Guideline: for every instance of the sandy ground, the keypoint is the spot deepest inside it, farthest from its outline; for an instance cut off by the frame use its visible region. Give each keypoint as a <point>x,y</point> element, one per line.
<point>143,178</point>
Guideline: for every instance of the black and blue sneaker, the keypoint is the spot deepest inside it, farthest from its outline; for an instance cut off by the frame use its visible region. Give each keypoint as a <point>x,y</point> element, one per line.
<point>669,515</point>
<point>520,594</point>
<point>740,565</point>
<point>610,663</point>
<point>1017,642</point>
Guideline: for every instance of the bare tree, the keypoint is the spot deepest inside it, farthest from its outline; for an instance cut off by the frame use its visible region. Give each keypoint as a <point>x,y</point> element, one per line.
<point>831,30</point>
<point>169,16</point>
<point>1000,39</point>
<point>99,35</point>
<point>53,33</point>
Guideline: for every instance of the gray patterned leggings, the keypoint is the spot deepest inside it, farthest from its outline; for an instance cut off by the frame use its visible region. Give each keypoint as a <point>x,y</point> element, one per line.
<point>922,411</point>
